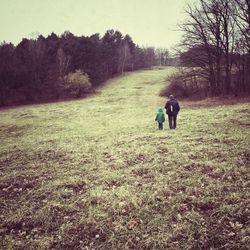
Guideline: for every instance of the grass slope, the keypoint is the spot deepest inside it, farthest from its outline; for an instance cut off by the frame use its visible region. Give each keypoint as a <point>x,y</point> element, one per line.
<point>97,174</point>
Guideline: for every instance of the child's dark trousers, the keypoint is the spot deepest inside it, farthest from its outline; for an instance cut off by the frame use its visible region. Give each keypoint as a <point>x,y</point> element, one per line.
<point>160,125</point>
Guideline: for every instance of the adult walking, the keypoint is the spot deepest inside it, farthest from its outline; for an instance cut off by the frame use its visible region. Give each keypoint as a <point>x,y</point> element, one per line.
<point>172,108</point>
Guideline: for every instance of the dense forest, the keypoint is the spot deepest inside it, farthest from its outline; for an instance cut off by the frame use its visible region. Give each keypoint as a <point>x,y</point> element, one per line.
<point>216,49</point>
<point>66,66</point>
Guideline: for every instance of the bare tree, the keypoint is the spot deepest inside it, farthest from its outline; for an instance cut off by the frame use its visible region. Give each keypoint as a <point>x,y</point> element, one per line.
<point>197,35</point>
<point>162,56</point>
<point>242,18</point>
<point>227,12</point>
<point>125,55</point>
<point>37,51</point>
<point>63,62</point>
<point>211,28</point>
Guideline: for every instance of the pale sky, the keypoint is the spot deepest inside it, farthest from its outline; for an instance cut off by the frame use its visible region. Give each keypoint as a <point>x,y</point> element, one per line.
<point>148,22</point>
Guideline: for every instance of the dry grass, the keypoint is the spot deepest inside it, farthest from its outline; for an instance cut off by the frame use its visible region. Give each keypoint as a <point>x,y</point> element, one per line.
<point>216,101</point>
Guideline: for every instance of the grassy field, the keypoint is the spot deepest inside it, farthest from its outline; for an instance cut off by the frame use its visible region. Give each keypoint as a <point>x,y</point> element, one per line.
<point>97,174</point>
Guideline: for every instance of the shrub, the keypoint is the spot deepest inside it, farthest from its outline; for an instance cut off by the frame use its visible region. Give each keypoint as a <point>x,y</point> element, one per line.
<point>175,88</point>
<point>77,83</point>
<point>185,84</point>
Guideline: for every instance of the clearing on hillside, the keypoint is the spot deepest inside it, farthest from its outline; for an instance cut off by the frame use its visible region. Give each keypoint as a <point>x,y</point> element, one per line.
<point>96,173</point>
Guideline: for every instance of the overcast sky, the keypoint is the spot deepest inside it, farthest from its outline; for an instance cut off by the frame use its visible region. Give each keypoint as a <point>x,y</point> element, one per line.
<point>148,22</point>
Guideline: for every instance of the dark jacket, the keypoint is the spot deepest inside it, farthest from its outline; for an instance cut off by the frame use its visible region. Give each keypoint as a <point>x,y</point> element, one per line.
<point>160,117</point>
<point>172,107</point>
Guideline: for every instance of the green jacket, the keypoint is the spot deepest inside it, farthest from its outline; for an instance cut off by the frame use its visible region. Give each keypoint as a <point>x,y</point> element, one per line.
<point>160,117</point>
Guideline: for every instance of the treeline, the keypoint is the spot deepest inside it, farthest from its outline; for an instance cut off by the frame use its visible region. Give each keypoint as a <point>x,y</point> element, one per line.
<point>36,69</point>
<point>216,48</point>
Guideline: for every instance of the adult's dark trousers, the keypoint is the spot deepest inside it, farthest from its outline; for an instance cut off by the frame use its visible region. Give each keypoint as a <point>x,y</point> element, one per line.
<point>172,121</point>
<point>160,125</point>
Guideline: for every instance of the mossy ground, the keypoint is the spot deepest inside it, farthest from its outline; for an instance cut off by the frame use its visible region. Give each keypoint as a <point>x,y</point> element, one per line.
<point>96,173</point>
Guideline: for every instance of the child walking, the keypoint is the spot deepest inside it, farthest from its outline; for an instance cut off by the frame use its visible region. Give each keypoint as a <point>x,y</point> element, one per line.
<point>160,118</point>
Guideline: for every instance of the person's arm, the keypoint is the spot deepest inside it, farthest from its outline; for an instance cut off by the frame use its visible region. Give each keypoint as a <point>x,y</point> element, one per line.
<point>178,107</point>
<point>167,105</point>
<point>163,118</point>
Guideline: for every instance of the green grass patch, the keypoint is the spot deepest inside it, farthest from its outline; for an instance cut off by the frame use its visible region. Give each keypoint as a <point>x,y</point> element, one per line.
<point>96,173</point>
